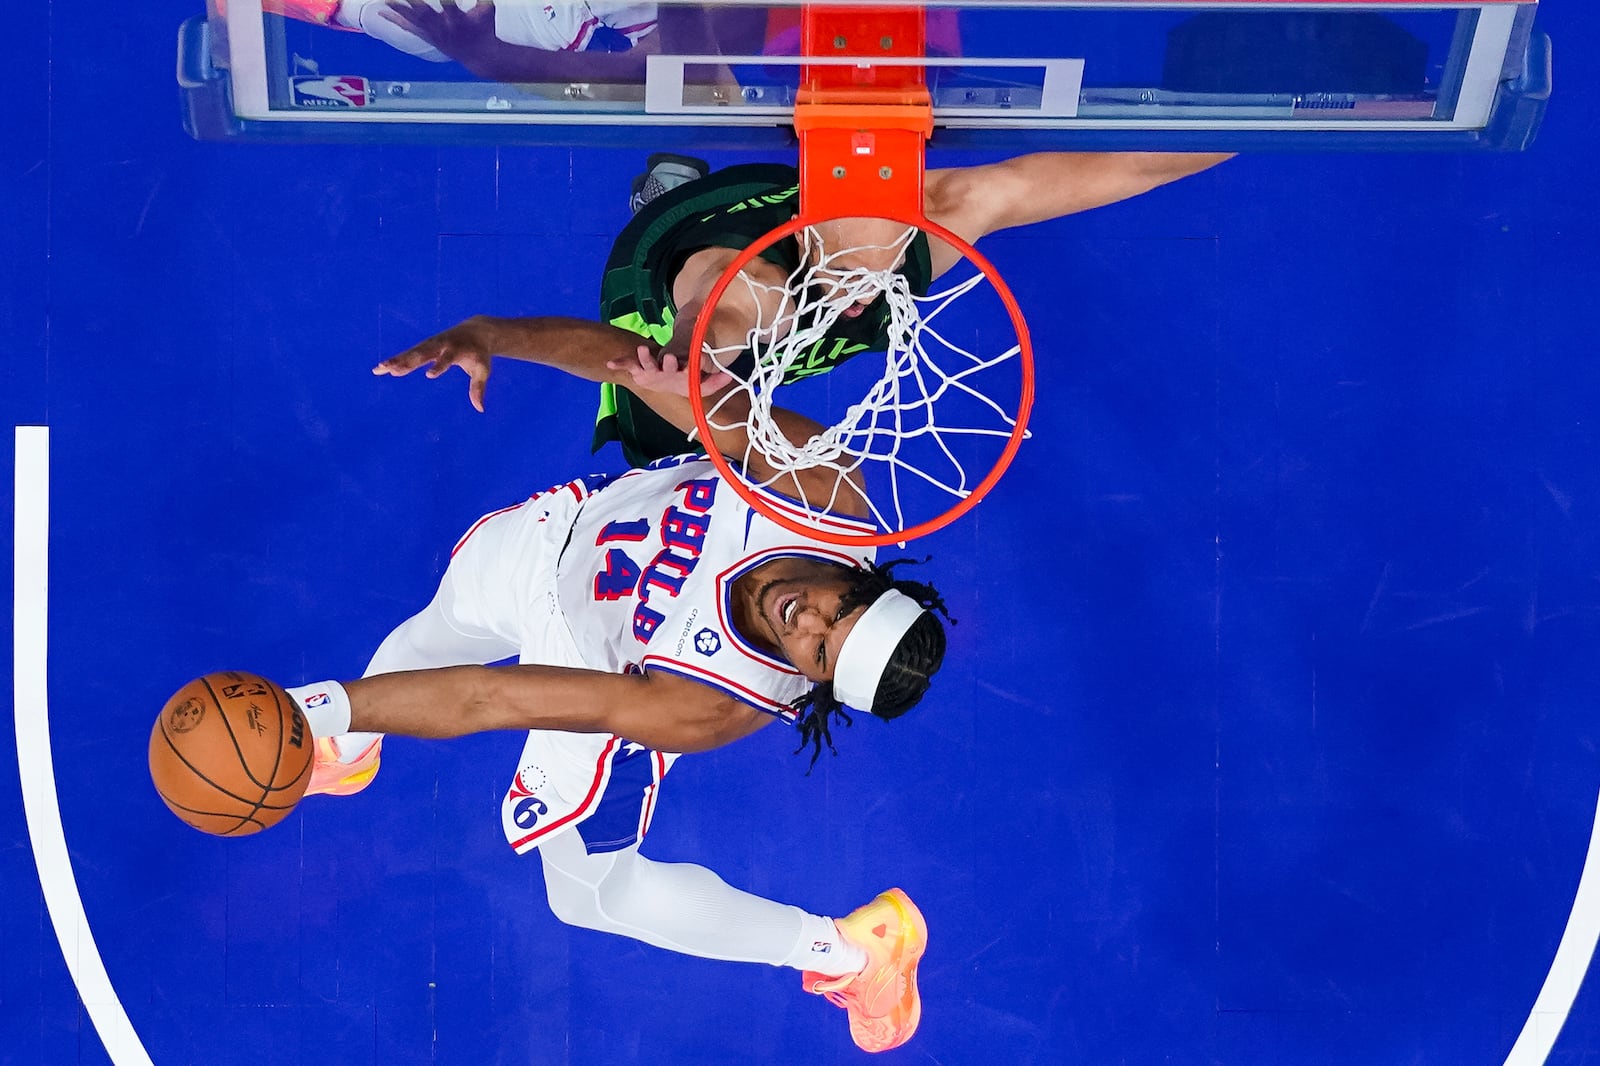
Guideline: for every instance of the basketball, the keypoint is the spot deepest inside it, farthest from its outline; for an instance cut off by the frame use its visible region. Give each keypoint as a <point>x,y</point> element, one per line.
<point>231,753</point>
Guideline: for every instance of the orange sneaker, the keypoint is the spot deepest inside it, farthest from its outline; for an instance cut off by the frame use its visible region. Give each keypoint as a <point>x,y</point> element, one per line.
<point>882,999</point>
<point>320,12</point>
<point>330,777</point>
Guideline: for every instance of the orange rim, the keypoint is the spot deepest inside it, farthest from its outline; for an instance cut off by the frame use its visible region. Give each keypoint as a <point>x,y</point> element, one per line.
<point>726,468</point>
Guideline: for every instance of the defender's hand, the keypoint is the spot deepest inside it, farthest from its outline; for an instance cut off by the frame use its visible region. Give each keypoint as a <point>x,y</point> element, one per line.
<point>462,345</point>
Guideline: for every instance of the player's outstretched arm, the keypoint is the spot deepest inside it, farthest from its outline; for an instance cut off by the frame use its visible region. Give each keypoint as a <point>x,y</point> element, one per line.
<point>577,346</point>
<point>469,38</point>
<point>599,352</point>
<point>660,711</point>
<point>977,201</point>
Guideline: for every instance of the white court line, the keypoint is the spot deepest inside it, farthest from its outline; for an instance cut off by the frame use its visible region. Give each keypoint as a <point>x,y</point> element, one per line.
<point>29,622</point>
<point>30,618</point>
<point>1561,985</point>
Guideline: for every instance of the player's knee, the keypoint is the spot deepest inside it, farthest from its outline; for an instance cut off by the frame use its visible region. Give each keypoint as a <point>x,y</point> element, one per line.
<point>571,903</point>
<point>623,889</point>
<point>576,884</point>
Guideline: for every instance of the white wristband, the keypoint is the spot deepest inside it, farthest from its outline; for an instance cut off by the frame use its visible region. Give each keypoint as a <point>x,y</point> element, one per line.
<point>326,706</point>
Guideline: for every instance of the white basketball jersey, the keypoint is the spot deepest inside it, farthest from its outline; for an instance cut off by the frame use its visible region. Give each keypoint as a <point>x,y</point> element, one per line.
<point>568,25</point>
<point>646,579</point>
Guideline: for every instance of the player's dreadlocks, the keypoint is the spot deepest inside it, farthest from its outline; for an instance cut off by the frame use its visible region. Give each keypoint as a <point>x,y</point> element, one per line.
<point>915,660</point>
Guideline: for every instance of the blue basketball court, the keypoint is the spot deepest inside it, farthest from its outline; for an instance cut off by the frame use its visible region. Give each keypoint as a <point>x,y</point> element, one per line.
<point>1268,733</point>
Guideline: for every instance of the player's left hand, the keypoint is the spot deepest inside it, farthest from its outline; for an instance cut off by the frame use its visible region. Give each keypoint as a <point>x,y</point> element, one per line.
<point>662,373</point>
<point>461,345</point>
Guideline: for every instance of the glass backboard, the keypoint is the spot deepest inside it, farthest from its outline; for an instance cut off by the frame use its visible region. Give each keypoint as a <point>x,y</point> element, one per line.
<point>1022,74</point>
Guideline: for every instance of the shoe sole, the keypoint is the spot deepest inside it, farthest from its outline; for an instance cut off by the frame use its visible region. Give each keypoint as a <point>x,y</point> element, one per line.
<point>699,166</point>
<point>354,778</point>
<point>890,1029</point>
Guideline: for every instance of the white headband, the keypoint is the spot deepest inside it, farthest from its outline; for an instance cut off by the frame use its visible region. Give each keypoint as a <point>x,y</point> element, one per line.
<point>867,649</point>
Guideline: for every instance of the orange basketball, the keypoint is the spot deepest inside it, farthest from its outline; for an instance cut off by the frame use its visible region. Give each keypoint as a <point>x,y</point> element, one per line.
<point>231,753</point>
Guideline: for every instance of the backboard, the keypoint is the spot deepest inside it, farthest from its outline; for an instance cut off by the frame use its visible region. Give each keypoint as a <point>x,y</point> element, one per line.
<point>1022,74</point>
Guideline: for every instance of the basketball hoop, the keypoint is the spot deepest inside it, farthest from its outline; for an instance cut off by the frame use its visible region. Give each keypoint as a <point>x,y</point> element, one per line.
<point>930,433</point>
<point>944,415</point>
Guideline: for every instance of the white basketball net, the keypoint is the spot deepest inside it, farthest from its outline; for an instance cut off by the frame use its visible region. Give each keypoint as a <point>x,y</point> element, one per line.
<point>894,427</point>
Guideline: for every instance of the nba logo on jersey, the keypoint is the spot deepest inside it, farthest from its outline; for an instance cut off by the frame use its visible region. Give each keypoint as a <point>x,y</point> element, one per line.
<point>345,91</point>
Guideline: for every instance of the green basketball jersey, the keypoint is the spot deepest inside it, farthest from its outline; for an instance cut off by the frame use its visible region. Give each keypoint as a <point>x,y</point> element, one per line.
<point>730,208</point>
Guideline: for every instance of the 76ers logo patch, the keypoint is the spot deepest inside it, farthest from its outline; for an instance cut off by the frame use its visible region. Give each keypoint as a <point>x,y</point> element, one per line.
<point>346,91</point>
<point>527,812</point>
<point>526,807</point>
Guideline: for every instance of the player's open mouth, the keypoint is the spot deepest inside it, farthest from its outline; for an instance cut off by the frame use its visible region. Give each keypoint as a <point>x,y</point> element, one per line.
<point>785,608</point>
<point>855,310</point>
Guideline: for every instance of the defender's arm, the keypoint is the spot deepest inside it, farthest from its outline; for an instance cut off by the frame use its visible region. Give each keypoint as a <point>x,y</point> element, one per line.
<point>977,201</point>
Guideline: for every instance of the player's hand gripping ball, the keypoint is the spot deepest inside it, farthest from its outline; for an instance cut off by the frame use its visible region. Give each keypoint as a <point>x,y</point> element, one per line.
<point>231,753</point>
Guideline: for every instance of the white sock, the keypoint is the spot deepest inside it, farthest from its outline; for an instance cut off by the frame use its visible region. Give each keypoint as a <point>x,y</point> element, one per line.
<point>351,746</point>
<point>823,949</point>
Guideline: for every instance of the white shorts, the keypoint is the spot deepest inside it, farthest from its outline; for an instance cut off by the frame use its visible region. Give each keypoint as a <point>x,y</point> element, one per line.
<point>502,575</point>
<point>565,26</point>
